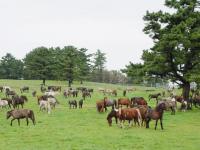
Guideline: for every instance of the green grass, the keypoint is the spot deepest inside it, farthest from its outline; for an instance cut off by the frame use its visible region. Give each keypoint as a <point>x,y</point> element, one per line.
<point>85,129</point>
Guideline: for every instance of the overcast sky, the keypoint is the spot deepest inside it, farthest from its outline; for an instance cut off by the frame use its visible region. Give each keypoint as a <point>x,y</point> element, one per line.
<point>113,26</point>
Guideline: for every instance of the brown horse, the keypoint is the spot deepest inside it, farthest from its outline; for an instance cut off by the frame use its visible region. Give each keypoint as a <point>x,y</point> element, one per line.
<point>154,96</point>
<point>20,114</point>
<point>138,101</point>
<point>101,105</point>
<point>124,101</point>
<point>16,101</point>
<point>179,99</point>
<point>143,111</point>
<point>129,114</point>
<point>156,114</point>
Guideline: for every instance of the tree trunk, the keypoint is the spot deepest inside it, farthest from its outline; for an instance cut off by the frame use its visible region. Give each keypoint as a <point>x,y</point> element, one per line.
<point>43,81</point>
<point>186,94</point>
<point>69,83</point>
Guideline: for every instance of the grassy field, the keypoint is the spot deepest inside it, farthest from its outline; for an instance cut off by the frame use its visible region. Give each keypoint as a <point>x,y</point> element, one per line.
<point>85,129</point>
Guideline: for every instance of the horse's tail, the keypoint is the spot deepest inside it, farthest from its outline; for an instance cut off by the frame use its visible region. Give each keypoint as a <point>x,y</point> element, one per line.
<point>32,116</point>
<point>139,117</point>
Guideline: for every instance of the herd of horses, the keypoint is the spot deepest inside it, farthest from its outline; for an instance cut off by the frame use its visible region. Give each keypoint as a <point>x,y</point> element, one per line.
<point>135,109</point>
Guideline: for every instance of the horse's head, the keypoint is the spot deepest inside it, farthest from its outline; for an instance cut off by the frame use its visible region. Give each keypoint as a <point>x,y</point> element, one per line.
<point>8,114</point>
<point>161,106</point>
<point>113,113</point>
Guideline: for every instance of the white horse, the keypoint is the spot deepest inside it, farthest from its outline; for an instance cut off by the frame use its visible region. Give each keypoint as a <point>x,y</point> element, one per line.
<point>3,103</point>
<point>45,105</point>
<point>52,101</point>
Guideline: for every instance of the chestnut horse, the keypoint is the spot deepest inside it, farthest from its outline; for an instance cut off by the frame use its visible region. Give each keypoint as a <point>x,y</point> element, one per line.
<point>101,105</point>
<point>124,101</point>
<point>138,101</point>
<point>129,114</point>
<point>156,114</point>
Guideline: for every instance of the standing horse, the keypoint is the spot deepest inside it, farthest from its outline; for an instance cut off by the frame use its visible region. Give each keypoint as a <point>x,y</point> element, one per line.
<point>72,103</point>
<point>112,103</point>
<point>80,103</point>
<point>20,114</point>
<point>156,114</point>
<point>138,101</point>
<point>16,101</point>
<point>101,105</point>
<point>154,96</point>
<point>124,101</point>
<point>129,114</point>
<point>170,104</point>
<point>45,105</point>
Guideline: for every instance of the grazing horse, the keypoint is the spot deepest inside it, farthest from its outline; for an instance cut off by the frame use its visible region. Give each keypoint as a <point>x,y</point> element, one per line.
<point>179,98</point>
<point>72,103</point>
<point>25,88</point>
<point>9,92</point>
<point>16,101</point>
<point>112,103</point>
<point>154,96</point>
<point>86,94</point>
<point>129,114</point>
<point>1,88</point>
<point>54,88</point>
<point>183,106</point>
<point>124,101</point>
<point>45,105</point>
<point>170,104</point>
<point>196,101</point>
<point>101,105</point>
<point>80,103</point>
<point>9,101</point>
<point>34,93</point>
<point>156,114</point>
<point>20,114</point>
<point>138,101</point>
<point>3,103</point>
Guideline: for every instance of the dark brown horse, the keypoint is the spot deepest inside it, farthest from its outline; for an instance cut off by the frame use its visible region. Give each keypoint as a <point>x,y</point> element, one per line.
<point>16,101</point>
<point>124,101</point>
<point>21,114</point>
<point>155,114</point>
<point>129,114</point>
<point>138,101</point>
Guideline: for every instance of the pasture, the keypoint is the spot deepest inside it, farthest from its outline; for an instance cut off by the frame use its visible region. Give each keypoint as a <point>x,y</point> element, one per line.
<point>86,129</point>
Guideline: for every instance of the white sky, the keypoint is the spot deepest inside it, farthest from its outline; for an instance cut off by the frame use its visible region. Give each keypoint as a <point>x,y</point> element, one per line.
<point>113,26</point>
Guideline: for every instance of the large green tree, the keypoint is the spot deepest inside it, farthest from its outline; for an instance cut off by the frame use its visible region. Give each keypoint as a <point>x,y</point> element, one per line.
<point>176,50</point>
<point>38,64</point>
<point>10,67</point>
<point>99,65</point>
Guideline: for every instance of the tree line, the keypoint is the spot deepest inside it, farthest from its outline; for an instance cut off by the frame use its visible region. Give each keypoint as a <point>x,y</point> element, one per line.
<point>68,63</point>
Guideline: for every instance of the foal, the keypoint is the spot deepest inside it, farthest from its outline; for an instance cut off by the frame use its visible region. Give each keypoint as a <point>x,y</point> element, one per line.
<point>156,114</point>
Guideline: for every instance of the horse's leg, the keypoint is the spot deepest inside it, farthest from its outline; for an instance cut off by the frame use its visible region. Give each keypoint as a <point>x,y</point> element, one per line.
<point>156,124</point>
<point>27,120</point>
<point>161,123</point>
<point>147,122</point>
<point>12,121</point>
<point>18,121</point>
